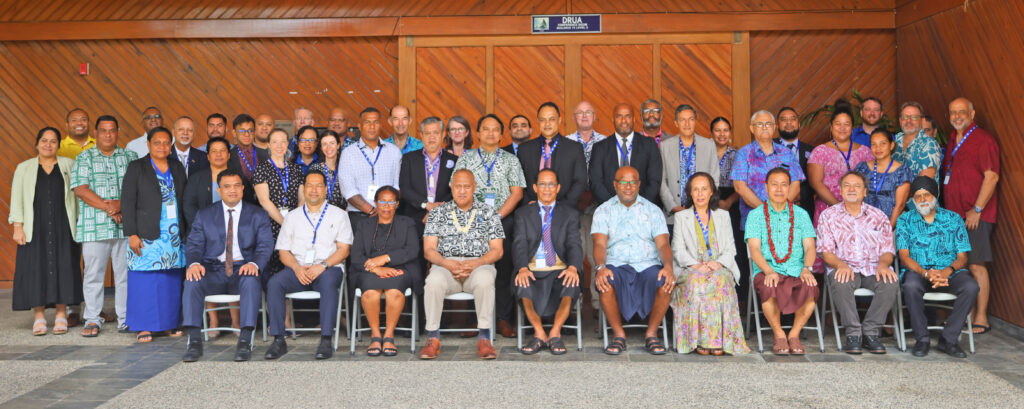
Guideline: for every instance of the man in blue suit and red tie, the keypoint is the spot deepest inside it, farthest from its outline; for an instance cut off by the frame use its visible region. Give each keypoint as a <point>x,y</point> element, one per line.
<point>230,243</point>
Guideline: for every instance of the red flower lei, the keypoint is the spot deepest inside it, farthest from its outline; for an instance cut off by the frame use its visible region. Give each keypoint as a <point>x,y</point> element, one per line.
<point>771,244</point>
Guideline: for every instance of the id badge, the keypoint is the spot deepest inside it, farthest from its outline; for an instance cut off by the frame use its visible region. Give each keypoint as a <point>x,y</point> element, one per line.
<point>541,259</point>
<point>309,257</point>
<point>946,180</point>
<point>283,210</point>
<point>370,192</point>
<point>430,199</point>
<point>489,199</point>
<point>172,212</point>
<point>433,183</point>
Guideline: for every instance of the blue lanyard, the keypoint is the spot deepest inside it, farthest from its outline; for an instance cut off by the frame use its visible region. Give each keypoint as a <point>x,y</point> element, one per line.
<point>957,148</point>
<point>284,180</point>
<point>431,165</point>
<point>546,155</point>
<point>624,156</point>
<point>721,161</point>
<point>579,138</point>
<point>657,138</point>
<point>334,177</point>
<point>251,167</point>
<point>847,155</point>
<point>874,175</point>
<point>545,225</point>
<point>373,165</point>
<point>166,176</point>
<point>691,163</point>
<point>323,211</point>
<point>705,230</point>
<point>497,153</point>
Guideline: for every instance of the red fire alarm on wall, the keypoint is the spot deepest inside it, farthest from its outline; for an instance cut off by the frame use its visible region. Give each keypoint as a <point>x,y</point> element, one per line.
<point>83,68</point>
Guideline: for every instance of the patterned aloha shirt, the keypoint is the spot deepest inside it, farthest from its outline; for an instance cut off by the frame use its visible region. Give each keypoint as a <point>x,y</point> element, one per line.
<point>484,227</point>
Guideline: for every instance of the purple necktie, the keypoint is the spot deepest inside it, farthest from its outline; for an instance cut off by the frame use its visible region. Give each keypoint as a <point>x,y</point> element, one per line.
<point>549,247</point>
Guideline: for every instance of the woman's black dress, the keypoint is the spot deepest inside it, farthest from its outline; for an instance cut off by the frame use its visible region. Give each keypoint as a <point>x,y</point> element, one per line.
<point>399,241</point>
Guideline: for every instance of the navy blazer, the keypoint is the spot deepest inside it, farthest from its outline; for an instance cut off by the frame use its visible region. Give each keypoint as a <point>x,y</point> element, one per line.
<point>196,160</point>
<point>565,235</point>
<point>207,239</point>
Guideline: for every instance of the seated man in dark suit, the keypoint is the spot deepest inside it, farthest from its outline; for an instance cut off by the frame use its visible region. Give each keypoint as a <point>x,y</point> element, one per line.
<point>548,256</point>
<point>229,244</point>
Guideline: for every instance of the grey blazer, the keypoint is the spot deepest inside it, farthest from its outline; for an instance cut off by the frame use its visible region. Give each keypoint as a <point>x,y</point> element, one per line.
<point>685,247</point>
<point>707,161</point>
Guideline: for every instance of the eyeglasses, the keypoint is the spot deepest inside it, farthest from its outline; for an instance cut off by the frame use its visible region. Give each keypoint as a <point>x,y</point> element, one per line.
<point>652,111</point>
<point>154,116</point>
<point>584,113</point>
<point>764,125</point>
<point>910,117</point>
<point>627,182</point>
<point>547,185</point>
<point>305,140</point>
<point>456,130</point>
<point>244,131</point>
<point>386,203</point>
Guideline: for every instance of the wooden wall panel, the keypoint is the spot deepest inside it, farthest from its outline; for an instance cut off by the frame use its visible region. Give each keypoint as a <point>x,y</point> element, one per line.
<point>451,81</point>
<point>614,74</point>
<point>701,6</point>
<point>808,69</point>
<point>975,51</point>
<point>39,83</point>
<point>699,75</point>
<point>524,78</point>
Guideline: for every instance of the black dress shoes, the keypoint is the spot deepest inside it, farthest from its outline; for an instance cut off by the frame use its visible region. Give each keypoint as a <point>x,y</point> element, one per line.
<point>951,349</point>
<point>243,351</point>
<point>873,345</point>
<point>921,348</point>
<point>193,352</point>
<point>277,349</point>
<point>852,345</point>
<point>325,350</point>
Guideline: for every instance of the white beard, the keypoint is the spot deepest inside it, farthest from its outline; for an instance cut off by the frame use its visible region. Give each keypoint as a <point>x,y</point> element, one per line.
<point>926,208</point>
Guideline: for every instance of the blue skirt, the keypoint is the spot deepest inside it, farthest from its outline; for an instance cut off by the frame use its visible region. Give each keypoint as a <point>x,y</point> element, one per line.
<point>635,290</point>
<point>154,299</point>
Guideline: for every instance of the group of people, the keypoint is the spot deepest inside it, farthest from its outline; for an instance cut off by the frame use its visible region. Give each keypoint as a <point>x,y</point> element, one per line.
<point>643,219</point>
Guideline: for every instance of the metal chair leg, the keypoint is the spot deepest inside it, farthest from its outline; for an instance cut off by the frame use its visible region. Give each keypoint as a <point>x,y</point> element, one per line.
<point>519,327</point>
<point>579,324</point>
<point>354,328</point>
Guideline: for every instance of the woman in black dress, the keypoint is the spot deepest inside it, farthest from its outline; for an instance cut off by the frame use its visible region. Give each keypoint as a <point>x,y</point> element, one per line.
<point>385,259</point>
<point>278,185</point>
<point>43,214</point>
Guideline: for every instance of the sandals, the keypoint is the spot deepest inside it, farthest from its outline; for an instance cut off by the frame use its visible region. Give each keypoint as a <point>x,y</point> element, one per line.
<point>372,350</point>
<point>39,327</point>
<point>60,326</point>
<point>556,346</point>
<point>781,347</point>
<point>174,333</point>
<point>616,347</point>
<point>144,337</point>
<point>389,351</point>
<point>717,352</point>
<point>974,328</point>
<point>795,347</point>
<point>702,351</point>
<point>654,346</point>
<point>91,330</point>
<point>534,346</point>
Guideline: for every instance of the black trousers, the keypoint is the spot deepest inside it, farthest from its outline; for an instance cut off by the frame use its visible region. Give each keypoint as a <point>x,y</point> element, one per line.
<point>504,298</point>
<point>962,285</point>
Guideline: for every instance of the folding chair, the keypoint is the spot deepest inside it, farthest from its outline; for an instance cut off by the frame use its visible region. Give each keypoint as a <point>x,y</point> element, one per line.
<point>464,296</point>
<point>311,295</point>
<point>940,300</point>
<point>521,325</point>
<point>355,331</point>
<point>895,311</point>
<point>223,300</point>
<point>754,312</point>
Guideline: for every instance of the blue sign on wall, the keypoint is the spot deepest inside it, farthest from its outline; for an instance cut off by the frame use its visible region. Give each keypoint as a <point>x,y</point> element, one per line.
<point>567,23</point>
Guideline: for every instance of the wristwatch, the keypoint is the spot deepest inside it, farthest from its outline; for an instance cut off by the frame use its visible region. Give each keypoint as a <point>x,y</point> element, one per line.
<point>324,263</point>
<point>977,209</point>
<point>423,205</point>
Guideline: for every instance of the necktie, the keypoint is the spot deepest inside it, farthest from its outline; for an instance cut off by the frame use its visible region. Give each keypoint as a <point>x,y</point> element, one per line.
<point>183,158</point>
<point>549,247</point>
<point>624,157</point>
<point>229,250</point>
<point>546,162</point>
<point>790,146</point>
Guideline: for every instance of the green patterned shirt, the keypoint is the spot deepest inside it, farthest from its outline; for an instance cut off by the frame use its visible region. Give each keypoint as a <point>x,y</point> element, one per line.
<point>103,174</point>
<point>506,173</point>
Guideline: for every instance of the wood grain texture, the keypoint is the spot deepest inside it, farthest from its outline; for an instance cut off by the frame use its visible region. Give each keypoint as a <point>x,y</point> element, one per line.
<point>524,78</point>
<point>975,52</point>
<point>614,74</point>
<point>451,81</point>
<point>699,75</point>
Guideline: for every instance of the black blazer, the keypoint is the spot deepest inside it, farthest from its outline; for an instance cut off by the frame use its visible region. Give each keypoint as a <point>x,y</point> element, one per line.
<point>806,192</point>
<point>403,247</point>
<point>565,235</point>
<point>568,162</point>
<point>198,195</point>
<point>236,164</point>
<point>412,182</point>
<point>141,201</point>
<point>196,160</point>
<point>209,238</point>
<point>645,157</point>
<point>511,149</point>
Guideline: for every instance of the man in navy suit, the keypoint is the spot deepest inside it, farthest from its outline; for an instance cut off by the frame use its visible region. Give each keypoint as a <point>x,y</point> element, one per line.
<point>624,148</point>
<point>191,158</point>
<point>228,246</point>
<point>548,256</point>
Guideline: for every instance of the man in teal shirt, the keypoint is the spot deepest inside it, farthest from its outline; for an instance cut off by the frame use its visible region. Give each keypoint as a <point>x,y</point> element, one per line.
<point>401,138</point>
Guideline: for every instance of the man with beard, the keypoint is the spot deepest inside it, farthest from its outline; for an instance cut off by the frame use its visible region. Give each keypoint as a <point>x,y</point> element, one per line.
<point>264,124</point>
<point>399,121</point>
<point>913,146</point>
<point>216,127</point>
<point>338,122</point>
<point>972,171</point>
<point>650,111</point>
<point>521,129</point>
<point>789,130</point>
<point>151,118</point>
<point>191,159</point>
<point>933,245</point>
<point>870,115</point>
<point>78,138</point>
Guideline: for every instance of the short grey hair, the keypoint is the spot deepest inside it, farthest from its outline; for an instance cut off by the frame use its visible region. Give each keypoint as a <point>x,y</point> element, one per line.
<point>914,104</point>
<point>651,101</point>
<point>763,111</point>
<point>431,120</point>
<point>299,109</point>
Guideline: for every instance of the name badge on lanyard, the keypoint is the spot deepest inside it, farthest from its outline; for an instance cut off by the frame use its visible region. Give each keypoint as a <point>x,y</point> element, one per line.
<point>489,199</point>
<point>310,255</point>
<point>172,209</point>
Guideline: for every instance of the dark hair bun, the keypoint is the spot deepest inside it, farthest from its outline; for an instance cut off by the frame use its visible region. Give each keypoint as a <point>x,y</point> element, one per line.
<point>843,105</point>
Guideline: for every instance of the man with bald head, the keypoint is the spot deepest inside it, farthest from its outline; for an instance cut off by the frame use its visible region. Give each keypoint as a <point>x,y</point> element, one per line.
<point>338,122</point>
<point>191,159</point>
<point>971,173</point>
<point>261,141</point>
<point>78,138</point>
<point>634,261</point>
<point>625,149</point>
<point>400,121</point>
<point>151,118</point>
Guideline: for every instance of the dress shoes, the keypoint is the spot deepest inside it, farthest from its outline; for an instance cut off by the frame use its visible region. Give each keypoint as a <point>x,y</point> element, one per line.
<point>921,348</point>
<point>852,345</point>
<point>873,344</point>
<point>484,349</point>
<point>277,349</point>
<point>431,349</point>
<point>325,350</point>
<point>951,349</point>
<point>243,350</point>
<point>193,352</point>
<point>505,329</point>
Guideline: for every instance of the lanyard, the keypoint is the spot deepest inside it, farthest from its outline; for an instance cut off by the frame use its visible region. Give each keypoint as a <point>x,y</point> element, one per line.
<point>847,155</point>
<point>166,176</point>
<point>721,162</point>
<point>624,155</point>
<point>545,225</point>
<point>691,164</point>
<point>497,153</point>
<point>284,180</point>
<point>323,211</point>
<point>657,138</point>
<point>549,152</point>
<point>334,177</point>
<point>579,138</point>
<point>957,148</point>
<point>431,165</point>
<point>250,166</point>
<point>705,230</point>
<point>874,176</point>
<point>373,165</point>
